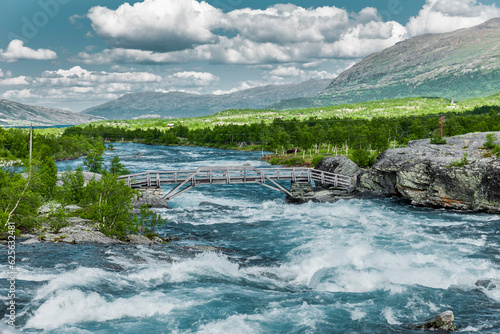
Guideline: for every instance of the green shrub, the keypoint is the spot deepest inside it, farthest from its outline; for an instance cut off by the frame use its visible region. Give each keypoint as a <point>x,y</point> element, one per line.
<point>58,219</point>
<point>362,158</point>
<point>437,139</point>
<point>94,161</point>
<point>18,203</point>
<point>148,221</point>
<point>462,162</point>
<point>490,141</point>
<point>110,202</point>
<point>317,159</point>
<point>285,161</point>
<point>496,151</point>
<point>72,190</point>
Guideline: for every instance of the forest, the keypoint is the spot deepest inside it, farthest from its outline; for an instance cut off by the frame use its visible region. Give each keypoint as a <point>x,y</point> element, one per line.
<point>293,141</point>
<point>14,144</point>
<point>332,135</point>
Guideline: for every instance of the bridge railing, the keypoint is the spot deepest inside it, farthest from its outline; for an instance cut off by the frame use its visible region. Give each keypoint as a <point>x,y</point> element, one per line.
<point>337,180</point>
<point>235,174</point>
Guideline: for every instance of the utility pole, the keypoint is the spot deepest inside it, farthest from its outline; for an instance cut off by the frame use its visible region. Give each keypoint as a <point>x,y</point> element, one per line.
<point>441,125</point>
<point>31,146</point>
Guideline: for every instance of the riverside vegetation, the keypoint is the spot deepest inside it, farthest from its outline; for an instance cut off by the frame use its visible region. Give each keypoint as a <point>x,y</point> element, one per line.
<point>359,131</point>
<point>14,145</point>
<point>104,200</point>
<point>107,201</point>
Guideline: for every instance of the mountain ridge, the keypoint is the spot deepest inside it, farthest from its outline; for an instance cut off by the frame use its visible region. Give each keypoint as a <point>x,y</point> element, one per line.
<point>457,65</point>
<point>19,114</point>
<point>180,104</point>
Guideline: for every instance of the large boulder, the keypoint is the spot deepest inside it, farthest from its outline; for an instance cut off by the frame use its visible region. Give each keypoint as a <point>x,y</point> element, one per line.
<point>424,174</point>
<point>151,197</point>
<point>339,165</point>
<point>441,322</point>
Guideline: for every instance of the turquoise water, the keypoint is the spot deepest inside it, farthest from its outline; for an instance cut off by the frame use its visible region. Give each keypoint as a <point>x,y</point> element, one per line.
<point>359,266</point>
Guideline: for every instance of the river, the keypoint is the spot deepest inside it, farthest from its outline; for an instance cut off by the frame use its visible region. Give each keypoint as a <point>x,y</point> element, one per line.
<point>354,266</point>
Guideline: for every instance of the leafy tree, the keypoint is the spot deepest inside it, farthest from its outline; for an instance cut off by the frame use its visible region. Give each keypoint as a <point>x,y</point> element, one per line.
<point>362,158</point>
<point>72,190</point>
<point>48,178</point>
<point>110,202</point>
<point>94,160</point>
<point>18,203</point>
<point>148,221</point>
<point>117,167</point>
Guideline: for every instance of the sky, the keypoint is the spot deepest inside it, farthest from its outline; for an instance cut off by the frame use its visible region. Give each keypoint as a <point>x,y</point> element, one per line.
<point>74,54</point>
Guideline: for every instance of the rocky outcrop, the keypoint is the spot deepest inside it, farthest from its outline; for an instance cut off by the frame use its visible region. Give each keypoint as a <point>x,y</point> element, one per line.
<point>441,322</point>
<point>305,192</point>
<point>425,174</point>
<point>460,174</point>
<point>83,231</point>
<point>151,197</point>
<point>339,165</point>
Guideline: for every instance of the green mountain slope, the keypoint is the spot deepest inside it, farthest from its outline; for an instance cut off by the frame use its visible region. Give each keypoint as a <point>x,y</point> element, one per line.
<point>458,65</point>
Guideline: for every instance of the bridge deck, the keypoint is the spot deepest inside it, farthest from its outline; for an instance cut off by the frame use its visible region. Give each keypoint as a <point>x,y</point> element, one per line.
<point>234,175</point>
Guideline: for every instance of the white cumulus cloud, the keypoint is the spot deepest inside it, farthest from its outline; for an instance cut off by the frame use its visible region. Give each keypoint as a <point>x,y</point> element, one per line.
<point>157,25</point>
<point>191,78</point>
<point>176,31</point>
<point>288,24</point>
<point>17,81</point>
<point>438,16</point>
<point>79,76</point>
<point>180,31</point>
<point>20,94</point>
<point>16,50</point>
<point>123,56</point>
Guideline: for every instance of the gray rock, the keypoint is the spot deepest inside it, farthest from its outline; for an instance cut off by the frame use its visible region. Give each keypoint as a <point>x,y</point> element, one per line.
<point>30,241</point>
<point>86,175</point>
<point>72,208</point>
<point>423,174</point>
<point>139,239</point>
<point>443,321</point>
<point>488,284</point>
<point>339,165</point>
<point>48,208</point>
<point>304,192</point>
<point>150,198</point>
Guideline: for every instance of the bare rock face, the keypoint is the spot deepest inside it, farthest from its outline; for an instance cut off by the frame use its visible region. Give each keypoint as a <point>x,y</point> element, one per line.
<point>339,165</point>
<point>443,321</point>
<point>424,174</point>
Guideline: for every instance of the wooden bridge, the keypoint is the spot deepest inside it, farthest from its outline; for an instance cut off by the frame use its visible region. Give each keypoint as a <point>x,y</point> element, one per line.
<point>268,177</point>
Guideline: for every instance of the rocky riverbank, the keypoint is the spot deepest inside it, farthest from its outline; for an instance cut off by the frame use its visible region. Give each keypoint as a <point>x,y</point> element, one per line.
<point>77,230</point>
<point>460,174</point>
<point>69,227</point>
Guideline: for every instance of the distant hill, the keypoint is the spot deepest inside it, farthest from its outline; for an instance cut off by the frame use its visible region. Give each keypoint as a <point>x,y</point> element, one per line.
<point>18,114</point>
<point>178,104</point>
<point>458,65</point>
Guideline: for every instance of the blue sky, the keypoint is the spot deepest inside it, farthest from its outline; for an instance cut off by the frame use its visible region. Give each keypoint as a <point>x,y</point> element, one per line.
<point>74,54</point>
